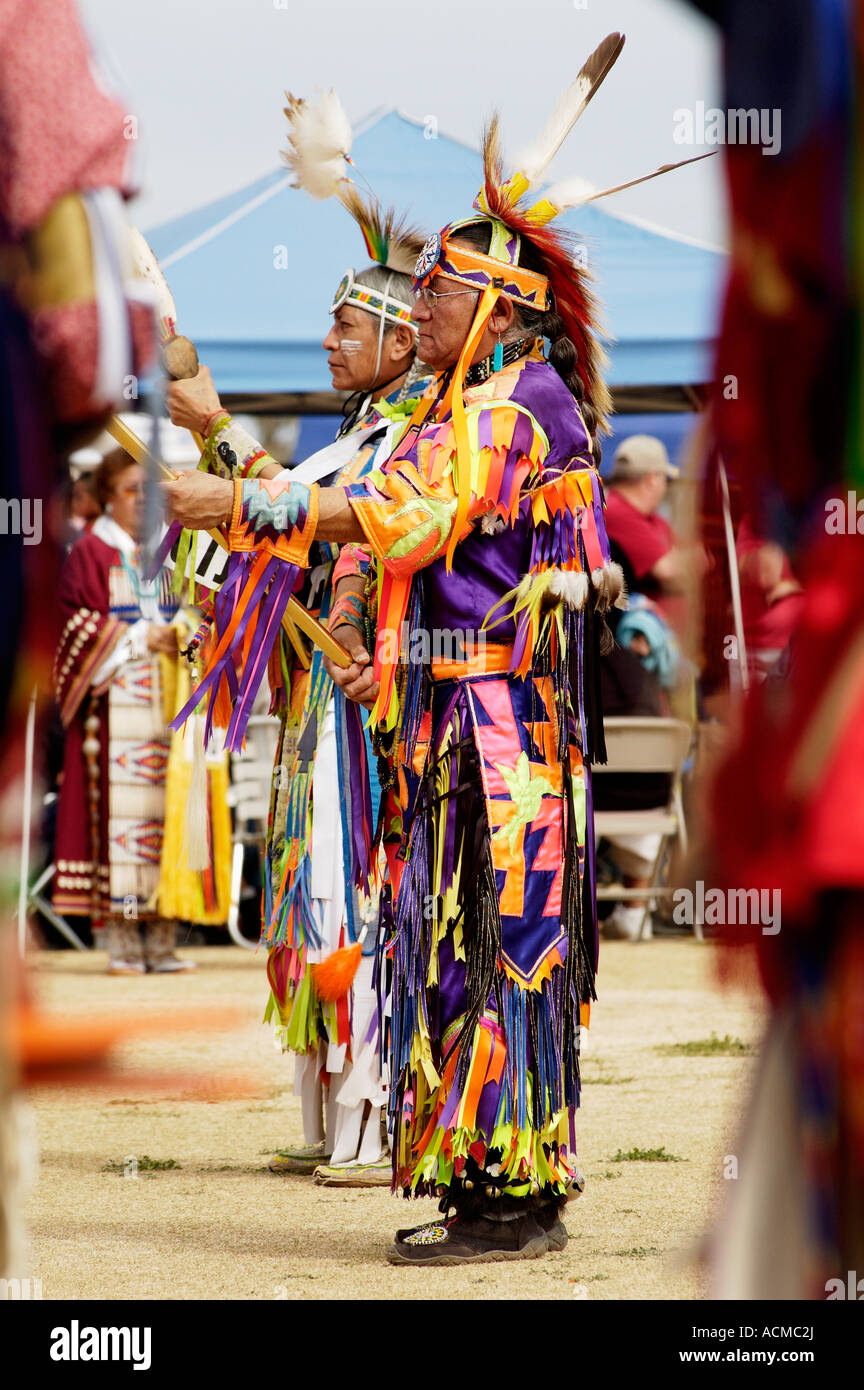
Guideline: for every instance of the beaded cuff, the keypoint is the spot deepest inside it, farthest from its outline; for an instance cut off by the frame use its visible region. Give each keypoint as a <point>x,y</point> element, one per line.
<point>231,452</point>
<point>349,608</point>
<point>276,515</point>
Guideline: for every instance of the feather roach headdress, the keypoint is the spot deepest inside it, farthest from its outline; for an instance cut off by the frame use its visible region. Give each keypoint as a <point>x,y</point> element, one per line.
<point>515,216</point>
<point>318,153</point>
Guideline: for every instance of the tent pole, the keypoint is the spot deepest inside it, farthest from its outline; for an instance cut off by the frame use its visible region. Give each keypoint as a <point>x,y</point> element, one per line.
<point>734,578</point>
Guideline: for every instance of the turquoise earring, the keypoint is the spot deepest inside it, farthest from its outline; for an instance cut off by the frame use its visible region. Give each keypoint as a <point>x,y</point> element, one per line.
<point>498,356</point>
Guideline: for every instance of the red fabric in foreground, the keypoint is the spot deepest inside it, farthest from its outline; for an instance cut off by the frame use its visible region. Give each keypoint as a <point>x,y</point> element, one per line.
<point>780,819</point>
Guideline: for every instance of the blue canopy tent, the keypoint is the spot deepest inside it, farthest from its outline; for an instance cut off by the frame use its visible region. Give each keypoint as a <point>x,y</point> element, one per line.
<point>253,274</point>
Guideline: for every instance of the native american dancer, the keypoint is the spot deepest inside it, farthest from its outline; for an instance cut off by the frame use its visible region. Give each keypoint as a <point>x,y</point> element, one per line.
<point>490,507</point>
<point>486,520</point>
<point>321,888</point>
<point>118,850</point>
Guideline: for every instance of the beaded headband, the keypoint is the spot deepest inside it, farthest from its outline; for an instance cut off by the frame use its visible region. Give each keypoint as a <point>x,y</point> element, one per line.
<point>482,270</point>
<point>352,291</point>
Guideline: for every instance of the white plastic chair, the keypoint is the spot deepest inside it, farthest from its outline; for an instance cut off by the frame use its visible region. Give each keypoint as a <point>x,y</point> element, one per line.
<point>636,744</point>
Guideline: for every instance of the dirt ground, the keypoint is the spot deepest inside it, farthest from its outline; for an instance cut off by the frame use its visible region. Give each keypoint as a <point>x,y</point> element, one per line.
<point>219,1225</point>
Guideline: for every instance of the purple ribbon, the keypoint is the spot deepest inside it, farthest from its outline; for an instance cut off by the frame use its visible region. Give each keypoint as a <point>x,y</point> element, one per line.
<point>163,549</point>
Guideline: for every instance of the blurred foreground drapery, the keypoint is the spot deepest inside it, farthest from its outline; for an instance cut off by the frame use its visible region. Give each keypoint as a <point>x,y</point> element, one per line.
<point>788,809</point>
<point>61,137</point>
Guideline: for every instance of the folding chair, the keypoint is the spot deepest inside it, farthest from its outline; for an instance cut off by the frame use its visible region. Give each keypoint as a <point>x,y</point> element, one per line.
<point>637,744</point>
<point>31,897</point>
<point>38,902</point>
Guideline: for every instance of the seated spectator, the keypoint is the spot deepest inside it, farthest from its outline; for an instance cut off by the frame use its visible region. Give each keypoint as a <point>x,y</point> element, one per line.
<point>643,630</point>
<point>629,688</point>
<point>642,541</point>
<point>771,600</point>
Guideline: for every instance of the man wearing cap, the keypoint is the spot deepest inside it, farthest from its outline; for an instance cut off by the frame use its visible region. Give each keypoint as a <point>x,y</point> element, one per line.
<point>642,541</point>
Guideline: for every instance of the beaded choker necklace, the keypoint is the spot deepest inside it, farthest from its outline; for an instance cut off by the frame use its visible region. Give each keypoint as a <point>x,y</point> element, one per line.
<point>481,371</point>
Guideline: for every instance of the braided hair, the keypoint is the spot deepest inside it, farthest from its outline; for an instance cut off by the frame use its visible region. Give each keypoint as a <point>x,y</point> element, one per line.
<point>548,324</point>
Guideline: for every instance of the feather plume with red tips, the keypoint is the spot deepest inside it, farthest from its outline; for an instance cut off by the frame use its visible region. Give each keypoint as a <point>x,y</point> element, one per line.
<point>574,300</point>
<point>498,199</point>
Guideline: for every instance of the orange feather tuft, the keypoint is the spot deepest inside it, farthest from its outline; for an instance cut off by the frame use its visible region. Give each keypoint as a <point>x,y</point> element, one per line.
<point>334,976</point>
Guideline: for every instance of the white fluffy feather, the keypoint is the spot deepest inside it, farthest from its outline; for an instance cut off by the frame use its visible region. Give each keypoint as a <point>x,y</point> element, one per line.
<point>319,140</point>
<point>491,524</point>
<point>609,583</point>
<point>568,586</point>
<point>570,193</point>
<point>537,158</point>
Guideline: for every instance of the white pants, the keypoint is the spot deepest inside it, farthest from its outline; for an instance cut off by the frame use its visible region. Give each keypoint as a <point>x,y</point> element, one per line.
<point>334,1113</point>
<point>635,855</point>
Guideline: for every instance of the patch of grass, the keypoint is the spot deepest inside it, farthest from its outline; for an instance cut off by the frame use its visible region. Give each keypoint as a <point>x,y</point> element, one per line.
<point>594,1278</point>
<point>144,1164</point>
<point>626,1211</point>
<point>727,1046</point>
<point>637,1155</point>
<point>608,1174</point>
<point>638,1252</point>
<point>606,1080</point>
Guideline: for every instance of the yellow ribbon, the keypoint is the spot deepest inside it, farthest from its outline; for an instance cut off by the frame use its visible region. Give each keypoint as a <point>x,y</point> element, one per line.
<point>453,398</point>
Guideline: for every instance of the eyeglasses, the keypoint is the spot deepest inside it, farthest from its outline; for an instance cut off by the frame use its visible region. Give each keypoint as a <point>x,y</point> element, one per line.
<point>430,298</point>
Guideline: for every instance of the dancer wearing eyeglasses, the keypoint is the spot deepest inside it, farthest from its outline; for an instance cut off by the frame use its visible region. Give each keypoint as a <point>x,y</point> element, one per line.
<point>486,519</point>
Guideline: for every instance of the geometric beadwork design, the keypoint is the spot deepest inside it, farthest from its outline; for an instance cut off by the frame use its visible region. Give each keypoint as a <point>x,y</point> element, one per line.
<point>135,683</point>
<point>144,762</point>
<point>426,1235</point>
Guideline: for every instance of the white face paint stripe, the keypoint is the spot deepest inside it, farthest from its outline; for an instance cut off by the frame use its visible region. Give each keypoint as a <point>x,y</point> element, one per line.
<point>350,345</point>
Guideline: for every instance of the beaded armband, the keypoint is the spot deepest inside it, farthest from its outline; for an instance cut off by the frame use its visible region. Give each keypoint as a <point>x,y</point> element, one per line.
<point>353,560</point>
<point>275,515</point>
<point>231,452</point>
<point>349,608</point>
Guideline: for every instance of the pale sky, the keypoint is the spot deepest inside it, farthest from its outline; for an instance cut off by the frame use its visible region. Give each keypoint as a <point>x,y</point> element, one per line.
<point>205,79</point>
